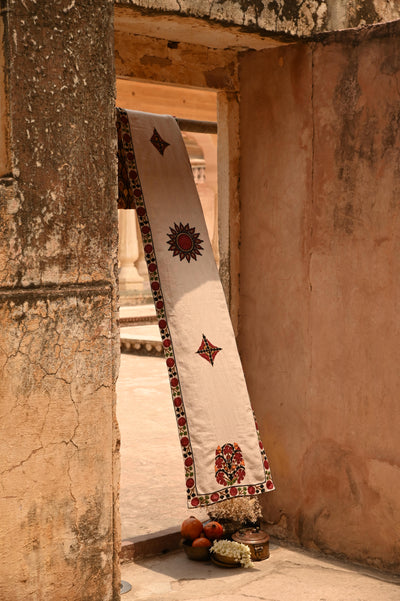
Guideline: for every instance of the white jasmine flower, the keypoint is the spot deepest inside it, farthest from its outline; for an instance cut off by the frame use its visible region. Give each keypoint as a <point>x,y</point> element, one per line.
<point>238,551</point>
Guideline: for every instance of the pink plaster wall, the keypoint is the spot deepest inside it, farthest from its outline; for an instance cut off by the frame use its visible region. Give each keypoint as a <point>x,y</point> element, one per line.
<point>320,288</point>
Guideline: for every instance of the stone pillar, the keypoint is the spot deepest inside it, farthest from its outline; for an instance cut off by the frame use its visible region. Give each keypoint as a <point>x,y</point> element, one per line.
<point>202,150</point>
<point>129,278</point>
<point>59,348</point>
<point>141,262</point>
<point>229,201</point>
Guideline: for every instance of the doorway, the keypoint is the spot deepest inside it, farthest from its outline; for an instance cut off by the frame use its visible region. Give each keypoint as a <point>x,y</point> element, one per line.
<point>152,495</point>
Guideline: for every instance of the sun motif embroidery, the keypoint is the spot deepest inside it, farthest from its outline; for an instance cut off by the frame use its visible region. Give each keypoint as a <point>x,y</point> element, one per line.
<point>229,464</point>
<point>208,351</point>
<point>185,242</point>
<point>158,142</point>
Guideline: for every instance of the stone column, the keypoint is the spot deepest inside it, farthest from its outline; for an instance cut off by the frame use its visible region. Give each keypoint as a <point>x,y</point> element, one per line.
<point>129,278</point>
<point>59,342</point>
<point>140,263</point>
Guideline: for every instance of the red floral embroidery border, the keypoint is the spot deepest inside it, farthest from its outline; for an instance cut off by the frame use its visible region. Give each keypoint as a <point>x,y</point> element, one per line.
<point>126,154</point>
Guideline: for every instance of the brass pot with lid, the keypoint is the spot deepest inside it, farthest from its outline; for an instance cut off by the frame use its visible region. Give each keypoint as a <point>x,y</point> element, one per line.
<point>256,539</point>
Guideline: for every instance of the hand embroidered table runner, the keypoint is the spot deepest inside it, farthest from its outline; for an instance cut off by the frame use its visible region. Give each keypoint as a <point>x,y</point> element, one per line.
<point>222,451</point>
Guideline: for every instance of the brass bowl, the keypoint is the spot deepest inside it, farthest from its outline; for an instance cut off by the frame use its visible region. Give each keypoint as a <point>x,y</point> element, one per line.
<point>195,553</point>
<point>226,559</point>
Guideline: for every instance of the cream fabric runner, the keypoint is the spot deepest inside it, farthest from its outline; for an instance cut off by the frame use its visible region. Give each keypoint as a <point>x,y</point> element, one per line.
<point>222,451</point>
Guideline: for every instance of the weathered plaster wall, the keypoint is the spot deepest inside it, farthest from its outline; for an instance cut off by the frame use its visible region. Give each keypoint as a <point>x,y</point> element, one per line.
<point>58,344</point>
<point>148,58</point>
<point>320,288</point>
<point>295,17</point>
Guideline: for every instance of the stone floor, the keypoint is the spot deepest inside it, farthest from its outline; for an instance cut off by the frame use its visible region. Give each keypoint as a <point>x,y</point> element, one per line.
<point>153,494</point>
<point>288,575</point>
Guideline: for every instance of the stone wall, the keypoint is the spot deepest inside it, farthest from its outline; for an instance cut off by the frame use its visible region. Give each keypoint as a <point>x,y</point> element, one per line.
<point>301,18</point>
<point>58,340</point>
<point>320,287</point>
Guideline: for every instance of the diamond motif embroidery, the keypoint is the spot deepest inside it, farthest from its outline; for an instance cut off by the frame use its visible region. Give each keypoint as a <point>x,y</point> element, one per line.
<point>158,142</point>
<point>208,351</point>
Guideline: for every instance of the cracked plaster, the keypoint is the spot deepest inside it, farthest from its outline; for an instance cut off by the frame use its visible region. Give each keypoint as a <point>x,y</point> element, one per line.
<point>57,467</point>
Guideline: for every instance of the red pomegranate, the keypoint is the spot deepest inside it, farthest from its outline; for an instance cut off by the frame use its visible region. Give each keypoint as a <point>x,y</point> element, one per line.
<point>213,530</point>
<point>201,542</point>
<point>191,528</point>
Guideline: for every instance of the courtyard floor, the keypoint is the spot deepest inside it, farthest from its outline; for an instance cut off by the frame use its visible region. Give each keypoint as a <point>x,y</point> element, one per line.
<point>153,493</point>
<point>288,575</point>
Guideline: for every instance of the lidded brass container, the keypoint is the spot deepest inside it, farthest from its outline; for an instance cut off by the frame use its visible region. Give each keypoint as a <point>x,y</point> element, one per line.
<point>256,539</point>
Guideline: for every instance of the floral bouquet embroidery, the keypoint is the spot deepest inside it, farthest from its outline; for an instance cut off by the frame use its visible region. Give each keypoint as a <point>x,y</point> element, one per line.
<point>229,464</point>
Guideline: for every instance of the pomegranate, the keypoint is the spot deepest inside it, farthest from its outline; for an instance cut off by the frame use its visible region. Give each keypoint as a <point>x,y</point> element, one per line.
<point>191,528</point>
<point>213,530</point>
<point>201,542</point>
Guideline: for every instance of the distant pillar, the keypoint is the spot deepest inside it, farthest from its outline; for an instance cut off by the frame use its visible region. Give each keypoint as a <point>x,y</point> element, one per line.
<point>129,278</point>
<point>140,263</point>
